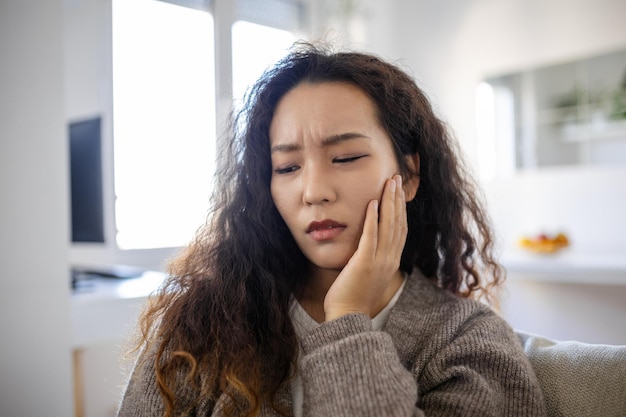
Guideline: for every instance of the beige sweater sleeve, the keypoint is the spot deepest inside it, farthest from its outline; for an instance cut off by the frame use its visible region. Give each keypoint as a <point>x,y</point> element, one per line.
<point>436,367</point>
<point>350,370</point>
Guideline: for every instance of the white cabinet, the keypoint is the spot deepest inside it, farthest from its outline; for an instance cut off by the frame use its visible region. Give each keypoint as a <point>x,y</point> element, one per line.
<point>584,307</point>
<point>571,113</point>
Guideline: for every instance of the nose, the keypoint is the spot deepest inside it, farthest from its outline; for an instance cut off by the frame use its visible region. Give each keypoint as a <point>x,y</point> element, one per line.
<point>317,186</point>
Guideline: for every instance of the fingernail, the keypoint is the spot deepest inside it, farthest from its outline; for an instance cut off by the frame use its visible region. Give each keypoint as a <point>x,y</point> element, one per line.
<point>392,186</point>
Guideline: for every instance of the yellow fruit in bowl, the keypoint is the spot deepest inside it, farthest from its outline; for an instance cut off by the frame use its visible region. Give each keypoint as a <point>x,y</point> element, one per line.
<point>543,243</point>
<point>561,239</point>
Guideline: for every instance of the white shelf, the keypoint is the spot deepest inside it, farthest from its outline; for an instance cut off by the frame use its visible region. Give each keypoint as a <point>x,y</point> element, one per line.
<point>567,266</point>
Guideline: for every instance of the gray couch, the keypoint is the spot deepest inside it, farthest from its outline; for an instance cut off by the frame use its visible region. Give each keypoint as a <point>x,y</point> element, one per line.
<point>579,379</point>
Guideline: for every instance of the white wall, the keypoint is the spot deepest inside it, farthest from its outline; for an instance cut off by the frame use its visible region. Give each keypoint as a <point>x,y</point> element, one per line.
<point>35,371</point>
<point>452,45</point>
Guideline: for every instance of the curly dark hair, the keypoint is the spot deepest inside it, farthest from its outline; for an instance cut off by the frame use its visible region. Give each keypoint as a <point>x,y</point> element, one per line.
<point>222,318</point>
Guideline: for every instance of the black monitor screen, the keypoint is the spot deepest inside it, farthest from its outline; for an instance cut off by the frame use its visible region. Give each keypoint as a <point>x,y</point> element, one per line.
<point>86,181</point>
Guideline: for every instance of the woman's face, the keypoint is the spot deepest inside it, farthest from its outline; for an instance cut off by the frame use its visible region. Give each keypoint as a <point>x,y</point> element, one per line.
<point>330,157</point>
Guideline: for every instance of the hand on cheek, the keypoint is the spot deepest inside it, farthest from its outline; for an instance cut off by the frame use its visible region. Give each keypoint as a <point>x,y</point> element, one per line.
<point>361,285</point>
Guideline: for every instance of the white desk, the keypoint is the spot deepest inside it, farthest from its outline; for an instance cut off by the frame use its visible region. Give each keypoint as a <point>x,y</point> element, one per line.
<point>104,314</point>
<point>106,309</point>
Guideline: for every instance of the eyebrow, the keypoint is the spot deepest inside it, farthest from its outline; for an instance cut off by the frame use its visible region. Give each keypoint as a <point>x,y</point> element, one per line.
<point>329,141</point>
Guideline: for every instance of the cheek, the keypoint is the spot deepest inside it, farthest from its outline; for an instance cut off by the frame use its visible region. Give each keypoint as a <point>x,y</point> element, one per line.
<point>372,188</point>
<point>363,191</point>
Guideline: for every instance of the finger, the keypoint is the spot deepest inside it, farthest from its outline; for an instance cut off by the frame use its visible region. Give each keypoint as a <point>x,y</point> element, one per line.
<point>387,223</point>
<point>401,229</point>
<point>369,238</point>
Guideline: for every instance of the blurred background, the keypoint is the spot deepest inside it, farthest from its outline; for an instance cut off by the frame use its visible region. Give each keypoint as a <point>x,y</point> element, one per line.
<point>110,118</point>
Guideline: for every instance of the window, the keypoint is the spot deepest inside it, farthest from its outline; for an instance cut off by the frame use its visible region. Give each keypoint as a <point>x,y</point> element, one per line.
<point>255,47</point>
<point>164,104</point>
<point>164,121</point>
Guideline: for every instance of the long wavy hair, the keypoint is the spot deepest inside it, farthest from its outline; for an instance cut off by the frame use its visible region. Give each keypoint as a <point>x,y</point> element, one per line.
<point>222,317</point>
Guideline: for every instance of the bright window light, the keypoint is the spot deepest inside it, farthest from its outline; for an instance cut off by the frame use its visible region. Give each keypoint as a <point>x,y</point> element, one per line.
<point>255,48</point>
<point>495,122</point>
<point>164,121</point>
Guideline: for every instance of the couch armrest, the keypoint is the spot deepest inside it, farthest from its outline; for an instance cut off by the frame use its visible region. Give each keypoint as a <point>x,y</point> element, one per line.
<point>578,379</point>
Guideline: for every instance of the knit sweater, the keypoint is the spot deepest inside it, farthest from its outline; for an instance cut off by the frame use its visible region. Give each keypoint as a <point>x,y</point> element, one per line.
<point>437,355</point>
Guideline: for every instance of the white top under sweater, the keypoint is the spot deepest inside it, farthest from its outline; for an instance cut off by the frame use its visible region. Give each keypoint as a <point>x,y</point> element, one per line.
<point>303,324</point>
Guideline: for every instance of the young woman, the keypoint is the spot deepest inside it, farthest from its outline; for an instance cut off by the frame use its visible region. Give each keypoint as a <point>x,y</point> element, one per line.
<point>338,271</point>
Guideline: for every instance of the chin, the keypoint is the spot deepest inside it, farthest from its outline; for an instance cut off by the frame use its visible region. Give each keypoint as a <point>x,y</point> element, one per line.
<point>330,258</point>
<point>330,267</point>
<point>329,264</point>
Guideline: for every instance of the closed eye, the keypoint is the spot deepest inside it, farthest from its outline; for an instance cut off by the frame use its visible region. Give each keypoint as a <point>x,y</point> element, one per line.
<point>286,170</point>
<point>341,160</point>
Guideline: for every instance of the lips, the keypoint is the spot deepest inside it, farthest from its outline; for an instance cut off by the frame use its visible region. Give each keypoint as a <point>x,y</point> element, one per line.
<point>324,230</point>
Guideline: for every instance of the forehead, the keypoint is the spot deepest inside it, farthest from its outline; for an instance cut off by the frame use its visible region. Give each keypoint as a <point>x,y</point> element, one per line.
<point>323,109</point>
